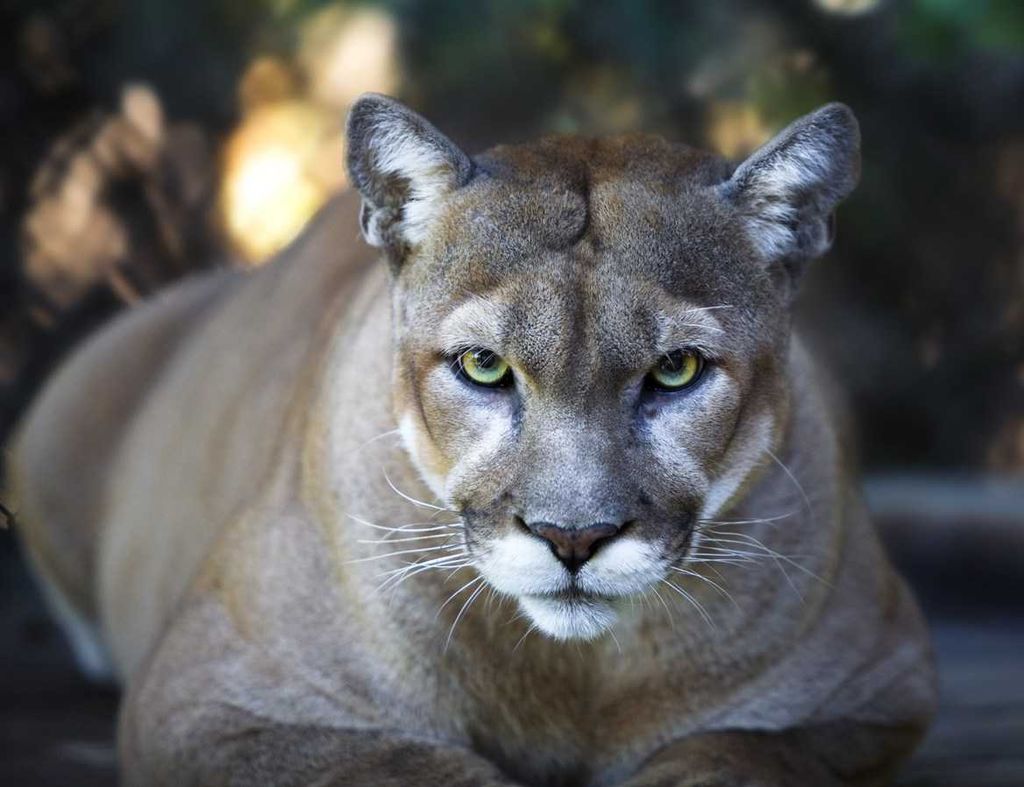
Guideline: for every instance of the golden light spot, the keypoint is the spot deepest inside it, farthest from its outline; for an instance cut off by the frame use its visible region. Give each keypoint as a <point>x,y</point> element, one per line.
<point>736,128</point>
<point>286,157</point>
<point>267,80</point>
<point>348,52</point>
<point>275,179</point>
<point>848,7</point>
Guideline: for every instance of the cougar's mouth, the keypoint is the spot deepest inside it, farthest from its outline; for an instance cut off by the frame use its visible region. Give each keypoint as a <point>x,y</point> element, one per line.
<point>570,614</point>
<point>571,595</point>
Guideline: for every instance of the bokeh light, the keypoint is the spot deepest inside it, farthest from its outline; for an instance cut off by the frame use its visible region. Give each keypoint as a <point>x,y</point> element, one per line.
<point>286,157</point>
<point>344,53</point>
<point>736,128</point>
<point>848,7</point>
<point>281,165</point>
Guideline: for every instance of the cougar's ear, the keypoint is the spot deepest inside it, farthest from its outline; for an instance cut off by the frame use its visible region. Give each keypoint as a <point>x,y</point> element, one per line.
<point>403,167</point>
<point>788,189</point>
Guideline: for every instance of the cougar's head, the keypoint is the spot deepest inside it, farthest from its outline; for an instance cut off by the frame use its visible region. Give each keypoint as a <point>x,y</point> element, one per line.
<point>591,337</point>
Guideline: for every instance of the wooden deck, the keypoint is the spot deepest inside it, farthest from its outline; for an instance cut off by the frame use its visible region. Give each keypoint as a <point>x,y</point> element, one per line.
<point>57,730</point>
<point>978,738</point>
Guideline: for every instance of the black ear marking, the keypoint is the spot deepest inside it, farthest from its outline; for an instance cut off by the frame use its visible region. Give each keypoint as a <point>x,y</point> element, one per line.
<point>403,167</point>
<point>788,190</point>
<point>365,214</point>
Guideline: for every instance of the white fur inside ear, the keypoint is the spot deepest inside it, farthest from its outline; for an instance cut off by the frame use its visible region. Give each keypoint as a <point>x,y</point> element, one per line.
<point>770,228</point>
<point>788,188</point>
<point>775,190</point>
<point>429,174</point>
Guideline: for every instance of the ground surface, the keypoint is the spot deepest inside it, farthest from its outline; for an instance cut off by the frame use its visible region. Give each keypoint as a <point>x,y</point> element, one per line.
<point>55,729</point>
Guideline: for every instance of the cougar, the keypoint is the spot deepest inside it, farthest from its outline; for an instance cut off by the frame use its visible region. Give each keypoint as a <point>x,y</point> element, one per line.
<point>541,489</point>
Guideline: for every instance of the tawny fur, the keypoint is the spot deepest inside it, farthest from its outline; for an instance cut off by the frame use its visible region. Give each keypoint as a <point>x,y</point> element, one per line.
<point>200,480</point>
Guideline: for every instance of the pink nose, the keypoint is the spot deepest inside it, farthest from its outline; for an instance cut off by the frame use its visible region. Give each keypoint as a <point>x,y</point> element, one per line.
<point>574,546</point>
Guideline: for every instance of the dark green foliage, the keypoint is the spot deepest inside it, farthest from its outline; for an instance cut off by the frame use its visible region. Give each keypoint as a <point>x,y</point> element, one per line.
<point>920,306</point>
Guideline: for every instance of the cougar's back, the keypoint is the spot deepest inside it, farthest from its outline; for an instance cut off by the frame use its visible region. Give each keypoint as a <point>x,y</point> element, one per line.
<point>191,391</point>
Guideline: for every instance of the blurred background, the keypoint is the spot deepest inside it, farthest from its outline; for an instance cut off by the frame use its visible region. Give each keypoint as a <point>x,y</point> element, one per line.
<point>145,140</point>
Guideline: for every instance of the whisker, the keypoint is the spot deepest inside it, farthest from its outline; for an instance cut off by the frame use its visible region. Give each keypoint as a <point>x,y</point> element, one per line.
<point>615,639</point>
<point>372,558</point>
<point>455,571</point>
<point>709,308</point>
<point>397,581</point>
<point>372,440</point>
<point>456,593</point>
<point>492,597</point>
<point>522,639</point>
<point>712,551</point>
<point>469,601</point>
<point>751,557</point>
<point>423,562</point>
<point>725,560</point>
<point>766,553</point>
<point>788,472</point>
<point>692,601</point>
<point>701,326</point>
<point>749,540</point>
<point>760,521</point>
<point>718,573</point>
<point>413,500</point>
<point>399,575</point>
<point>517,615</point>
<point>664,603</point>
<point>710,581</point>
<point>387,540</point>
<point>396,577</point>
<point>411,527</point>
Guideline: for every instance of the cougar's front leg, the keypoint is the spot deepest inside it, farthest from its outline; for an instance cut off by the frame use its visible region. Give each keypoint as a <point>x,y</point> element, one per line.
<point>837,755</point>
<point>202,739</point>
<point>213,708</point>
<point>246,751</point>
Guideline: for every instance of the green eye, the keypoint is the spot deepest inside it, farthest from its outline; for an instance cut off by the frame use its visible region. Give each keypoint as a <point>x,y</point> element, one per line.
<point>677,370</point>
<point>484,367</point>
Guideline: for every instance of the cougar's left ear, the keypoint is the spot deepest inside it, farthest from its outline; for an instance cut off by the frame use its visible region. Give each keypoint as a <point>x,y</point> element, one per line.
<point>787,190</point>
<point>403,167</point>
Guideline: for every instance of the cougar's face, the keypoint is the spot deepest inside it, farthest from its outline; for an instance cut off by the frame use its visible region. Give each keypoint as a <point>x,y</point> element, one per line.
<point>584,373</point>
<point>590,337</point>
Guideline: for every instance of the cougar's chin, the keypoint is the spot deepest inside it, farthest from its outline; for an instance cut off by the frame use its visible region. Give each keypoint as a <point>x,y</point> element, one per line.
<point>570,616</point>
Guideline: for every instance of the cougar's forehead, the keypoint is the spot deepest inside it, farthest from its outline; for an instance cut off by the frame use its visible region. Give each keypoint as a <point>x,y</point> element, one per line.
<point>587,236</point>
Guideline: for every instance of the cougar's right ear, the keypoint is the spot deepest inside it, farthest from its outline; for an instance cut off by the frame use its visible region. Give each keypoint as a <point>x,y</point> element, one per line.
<point>403,167</point>
<point>787,190</point>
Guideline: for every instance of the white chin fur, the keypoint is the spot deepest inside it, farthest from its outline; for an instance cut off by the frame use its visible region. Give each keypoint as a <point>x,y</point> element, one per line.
<point>569,618</point>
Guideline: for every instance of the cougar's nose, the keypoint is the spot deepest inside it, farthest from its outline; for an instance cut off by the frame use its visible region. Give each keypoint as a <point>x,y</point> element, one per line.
<point>574,546</point>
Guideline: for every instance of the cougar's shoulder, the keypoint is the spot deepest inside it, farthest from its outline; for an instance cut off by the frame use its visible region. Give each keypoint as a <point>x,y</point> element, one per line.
<point>60,455</point>
<point>156,429</point>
